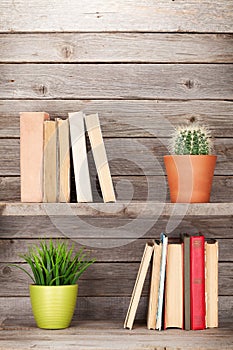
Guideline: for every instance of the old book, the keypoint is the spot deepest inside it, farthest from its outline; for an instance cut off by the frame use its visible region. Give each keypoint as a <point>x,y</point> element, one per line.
<point>154,287</point>
<point>186,245</point>
<point>50,162</point>
<point>173,315</point>
<point>164,241</point>
<point>31,155</point>
<point>197,281</point>
<point>100,157</point>
<point>79,152</point>
<point>138,286</point>
<point>211,285</point>
<point>64,160</point>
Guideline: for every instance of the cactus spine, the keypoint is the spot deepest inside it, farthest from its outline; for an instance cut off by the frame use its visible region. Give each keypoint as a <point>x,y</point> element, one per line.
<point>191,139</point>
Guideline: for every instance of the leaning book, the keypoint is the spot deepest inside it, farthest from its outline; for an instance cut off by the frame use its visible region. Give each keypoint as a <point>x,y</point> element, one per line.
<point>100,157</point>
<point>154,287</point>
<point>138,286</point>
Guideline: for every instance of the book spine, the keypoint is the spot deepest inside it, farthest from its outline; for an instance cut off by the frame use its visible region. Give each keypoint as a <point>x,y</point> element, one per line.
<point>197,282</point>
<point>50,162</point>
<point>79,152</point>
<point>31,155</point>
<point>186,247</point>
<point>164,241</point>
<point>64,160</point>
<point>211,285</point>
<point>173,310</point>
<point>100,157</point>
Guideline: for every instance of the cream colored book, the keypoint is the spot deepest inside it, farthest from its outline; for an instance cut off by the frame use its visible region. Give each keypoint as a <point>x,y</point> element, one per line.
<point>174,308</point>
<point>64,160</point>
<point>211,283</point>
<point>79,152</point>
<point>154,287</point>
<point>138,286</point>
<point>50,162</point>
<point>100,157</point>
<point>31,155</point>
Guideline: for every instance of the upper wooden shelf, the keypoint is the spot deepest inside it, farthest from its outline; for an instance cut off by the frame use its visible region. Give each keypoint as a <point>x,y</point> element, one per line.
<point>119,209</point>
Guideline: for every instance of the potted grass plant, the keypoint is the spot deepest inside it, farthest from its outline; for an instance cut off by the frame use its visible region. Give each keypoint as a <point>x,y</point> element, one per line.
<point>55,270</point>
<point>190,167</point>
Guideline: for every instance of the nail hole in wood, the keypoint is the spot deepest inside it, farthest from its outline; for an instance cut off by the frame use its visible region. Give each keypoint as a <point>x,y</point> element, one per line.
<point>192,119</point>
<point>189,84</point>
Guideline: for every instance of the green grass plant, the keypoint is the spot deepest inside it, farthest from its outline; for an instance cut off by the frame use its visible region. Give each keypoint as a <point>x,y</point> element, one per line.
<point>54,263</point>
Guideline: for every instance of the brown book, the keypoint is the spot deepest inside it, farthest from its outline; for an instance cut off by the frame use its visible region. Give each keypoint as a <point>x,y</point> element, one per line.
<point>154,287</point>
<point>100,157</point>
<point>50,193</point>
<point>173,317</point>
<point>64,160</point>
<point>137,291</point>
<point>211,283</point>
<point>31,155</point>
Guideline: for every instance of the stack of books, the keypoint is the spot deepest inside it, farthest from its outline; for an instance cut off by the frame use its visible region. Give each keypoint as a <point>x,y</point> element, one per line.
<point>45,160</point>
<point>184,284</point>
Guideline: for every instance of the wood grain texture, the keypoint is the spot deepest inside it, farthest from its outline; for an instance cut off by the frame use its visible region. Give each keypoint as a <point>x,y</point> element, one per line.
<point>101,279</point>
<point>117,47</point>
<point>114,339</point>
<point>28,324</point>
<point>121,209</point>
<point>100,233</point>
<point>92,231</point>
<point>10,249</point>
<point>101,16</point>
<point>88,308</point>
<point>132,187</point>
<point>110,336</point>
<point>101,308</point>
<point>127,156</point>
<point>126,118</point>
<point>117,81</point>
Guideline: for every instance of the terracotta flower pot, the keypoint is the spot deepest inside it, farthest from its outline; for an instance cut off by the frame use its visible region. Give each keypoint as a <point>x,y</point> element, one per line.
<point>53,306</point>
<point>190,177</point>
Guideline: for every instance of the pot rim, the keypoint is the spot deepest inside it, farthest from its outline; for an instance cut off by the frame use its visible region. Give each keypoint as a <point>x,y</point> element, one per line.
<point>61,286</point>
<point>190,155</point>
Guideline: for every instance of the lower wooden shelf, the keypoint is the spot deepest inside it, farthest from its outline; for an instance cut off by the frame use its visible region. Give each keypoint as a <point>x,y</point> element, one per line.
<point>100,335</point>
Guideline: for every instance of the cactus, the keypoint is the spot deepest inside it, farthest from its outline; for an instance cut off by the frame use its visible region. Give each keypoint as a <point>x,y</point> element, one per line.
<point>191,139</point>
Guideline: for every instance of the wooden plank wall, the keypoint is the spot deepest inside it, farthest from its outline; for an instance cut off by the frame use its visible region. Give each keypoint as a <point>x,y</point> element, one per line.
<point>144,66</point>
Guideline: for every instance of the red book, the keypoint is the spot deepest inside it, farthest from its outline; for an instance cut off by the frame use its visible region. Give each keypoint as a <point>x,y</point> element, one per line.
<point>197,282</point>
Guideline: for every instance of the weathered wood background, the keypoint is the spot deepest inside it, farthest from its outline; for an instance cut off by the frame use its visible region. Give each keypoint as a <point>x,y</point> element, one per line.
<point>145,66</point>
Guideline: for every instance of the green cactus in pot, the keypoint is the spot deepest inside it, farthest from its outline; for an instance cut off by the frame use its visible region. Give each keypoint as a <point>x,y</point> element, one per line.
<point>190,166</point>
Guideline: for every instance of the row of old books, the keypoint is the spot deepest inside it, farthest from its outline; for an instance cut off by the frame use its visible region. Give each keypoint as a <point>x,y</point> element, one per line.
<point>45,160</point>
<point>184,284</point>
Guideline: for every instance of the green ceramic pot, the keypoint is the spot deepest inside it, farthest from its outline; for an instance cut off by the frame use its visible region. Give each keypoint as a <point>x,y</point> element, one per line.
<point>53,306</point>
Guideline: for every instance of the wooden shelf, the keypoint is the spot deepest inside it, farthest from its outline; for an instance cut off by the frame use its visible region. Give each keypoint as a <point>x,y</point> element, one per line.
<point>105,336</point>
<point>118,209</point>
